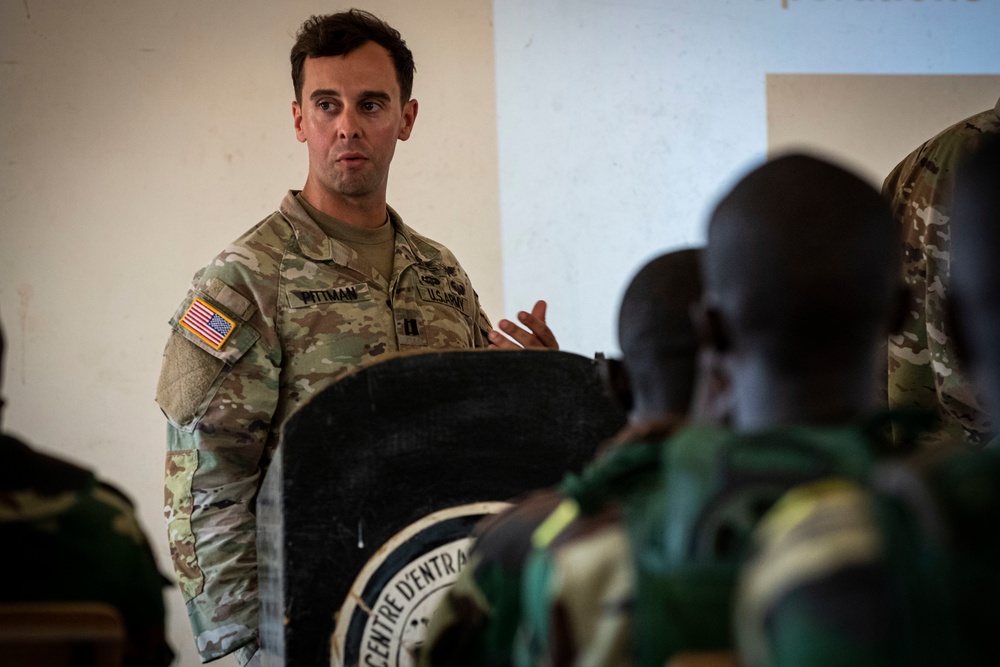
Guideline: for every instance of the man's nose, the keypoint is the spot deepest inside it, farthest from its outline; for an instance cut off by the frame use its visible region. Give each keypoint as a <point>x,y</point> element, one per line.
<point>350,126</point>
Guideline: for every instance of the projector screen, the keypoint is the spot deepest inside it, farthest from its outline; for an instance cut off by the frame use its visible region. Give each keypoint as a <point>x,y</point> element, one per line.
<point>620,122</point>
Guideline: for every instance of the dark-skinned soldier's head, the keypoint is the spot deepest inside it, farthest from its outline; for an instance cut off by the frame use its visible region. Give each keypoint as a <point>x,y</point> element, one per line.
<point>657,337</point>
<point>801,284</point>
<point>974,289</point>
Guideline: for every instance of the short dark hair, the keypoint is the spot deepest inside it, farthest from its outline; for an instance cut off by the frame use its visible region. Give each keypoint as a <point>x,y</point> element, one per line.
<point>803,257</point>
<point>339,34</point>
<point>655,332</point>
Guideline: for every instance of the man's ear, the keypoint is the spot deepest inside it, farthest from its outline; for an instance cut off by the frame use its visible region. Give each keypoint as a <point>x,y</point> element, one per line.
<point>710,327</point>
<point>899,307</point>
<point>616,379</point>
<point>410,109</point>
<point>297,122</point>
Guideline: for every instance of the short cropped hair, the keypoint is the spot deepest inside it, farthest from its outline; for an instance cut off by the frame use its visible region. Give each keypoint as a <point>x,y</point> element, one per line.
<point>339,34</point>
<point>803,258</point>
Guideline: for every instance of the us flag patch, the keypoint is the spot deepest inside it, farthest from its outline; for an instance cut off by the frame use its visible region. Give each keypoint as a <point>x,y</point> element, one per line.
<point>207,323</point>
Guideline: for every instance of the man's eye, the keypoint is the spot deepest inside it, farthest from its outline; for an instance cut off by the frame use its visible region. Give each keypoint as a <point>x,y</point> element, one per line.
<point>325,106</point>
<point>371,106</point>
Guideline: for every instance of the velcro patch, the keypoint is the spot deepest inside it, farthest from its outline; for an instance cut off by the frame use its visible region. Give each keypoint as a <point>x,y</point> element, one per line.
<point>440,296</point>
<point>207,323</point>
<point>312,297</point>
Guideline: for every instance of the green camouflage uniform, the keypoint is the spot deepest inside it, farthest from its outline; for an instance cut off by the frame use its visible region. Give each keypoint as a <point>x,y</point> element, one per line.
<point>906,571</point>
<point>285,311</point>
<point>820,588</point>
<point>476,622</point>
<point>70,538</point>
<point>641,562</point>
<point>923,372</point>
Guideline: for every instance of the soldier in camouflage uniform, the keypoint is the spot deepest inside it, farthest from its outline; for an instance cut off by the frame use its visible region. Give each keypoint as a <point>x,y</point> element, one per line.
<point>331,280</point>
<point>476,621</point>
<point>967,485</point>
<point>820,544</point>
<point>923,371</point>
<point>800,287</point>
<point>70,538</point>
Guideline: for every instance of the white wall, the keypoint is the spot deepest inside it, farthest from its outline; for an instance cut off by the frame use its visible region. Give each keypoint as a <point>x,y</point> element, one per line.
<point>869,122</point>
<point>620,120</point>
<point>138,138</point>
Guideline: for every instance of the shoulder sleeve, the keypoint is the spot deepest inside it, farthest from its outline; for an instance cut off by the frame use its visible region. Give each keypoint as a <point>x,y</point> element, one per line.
<point>816,589</point>
<point>219,390</point>
<point>483,325</point>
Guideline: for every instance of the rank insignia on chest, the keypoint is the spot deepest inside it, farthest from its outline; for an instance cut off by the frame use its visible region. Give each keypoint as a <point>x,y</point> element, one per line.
<point>207,323</point>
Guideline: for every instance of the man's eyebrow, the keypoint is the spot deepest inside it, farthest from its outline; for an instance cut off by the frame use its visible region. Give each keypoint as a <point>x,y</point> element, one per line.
<point>376,94</point>
<point>323,92</point>
<point>365,94</point>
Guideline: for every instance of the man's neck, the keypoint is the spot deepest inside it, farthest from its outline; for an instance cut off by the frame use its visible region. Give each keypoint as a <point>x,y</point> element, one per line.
<point>831,395</point>
<point>367,212</point>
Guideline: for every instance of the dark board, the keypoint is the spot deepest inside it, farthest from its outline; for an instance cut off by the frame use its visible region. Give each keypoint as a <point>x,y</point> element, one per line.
<point>388,446</point>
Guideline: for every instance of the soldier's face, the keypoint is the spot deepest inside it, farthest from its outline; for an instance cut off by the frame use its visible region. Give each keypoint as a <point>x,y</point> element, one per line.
<point>351,118</point>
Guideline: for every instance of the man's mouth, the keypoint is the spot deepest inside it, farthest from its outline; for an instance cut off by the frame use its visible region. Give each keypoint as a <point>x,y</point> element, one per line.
<point>352,159</point>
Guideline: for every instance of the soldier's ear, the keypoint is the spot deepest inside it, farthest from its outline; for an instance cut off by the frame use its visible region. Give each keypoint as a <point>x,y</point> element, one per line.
<point>617,382</point>
<point>710,327</point>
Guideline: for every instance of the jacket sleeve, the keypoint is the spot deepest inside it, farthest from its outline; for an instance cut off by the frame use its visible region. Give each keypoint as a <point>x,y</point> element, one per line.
<point>483,327</point>
<point>219,390</point>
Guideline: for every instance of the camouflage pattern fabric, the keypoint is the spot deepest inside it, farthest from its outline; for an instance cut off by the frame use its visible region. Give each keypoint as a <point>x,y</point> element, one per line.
<point>476,622</point>
<point>652,573</point>
<point>923,371</point>
<point>70,538</point>
<point>965,485</point>
<point>877,575</point>
<point>279,315</point>
<point>588,581</point>
<point>817,551</point>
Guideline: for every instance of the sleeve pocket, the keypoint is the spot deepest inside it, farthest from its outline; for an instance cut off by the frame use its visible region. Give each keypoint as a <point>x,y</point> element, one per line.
<point>179,502</point>
<point>192,370</point>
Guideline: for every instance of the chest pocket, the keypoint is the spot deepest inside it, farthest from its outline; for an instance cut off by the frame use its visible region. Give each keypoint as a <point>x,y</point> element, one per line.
<point>439,312</point>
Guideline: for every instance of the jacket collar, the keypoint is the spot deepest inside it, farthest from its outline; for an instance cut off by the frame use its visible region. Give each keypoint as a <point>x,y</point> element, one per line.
<point>317,246</point>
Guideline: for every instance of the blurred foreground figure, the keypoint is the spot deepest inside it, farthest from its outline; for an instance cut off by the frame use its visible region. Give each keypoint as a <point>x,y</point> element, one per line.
<point>477,621</point>
<point>69,537</point>
<point>933,515</point>
<point>967,483</point>
<point>801,286</point>
<point>923,368</point>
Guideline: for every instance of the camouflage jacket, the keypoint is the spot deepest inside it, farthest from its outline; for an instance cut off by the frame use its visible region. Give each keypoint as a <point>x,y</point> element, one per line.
<point>68,537</point>
<point>280,314</point>
<point>477,620</point>
<point>644,565</point>
<point>923,371</point>
<point>840,573</point>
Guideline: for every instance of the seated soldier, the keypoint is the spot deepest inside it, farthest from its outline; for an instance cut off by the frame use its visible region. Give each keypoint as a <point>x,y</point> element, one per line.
<point>968,483</point>
<point>71,538</point>
<point>818,548</point>
<point>475,623</point>
<point>801,286</point>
